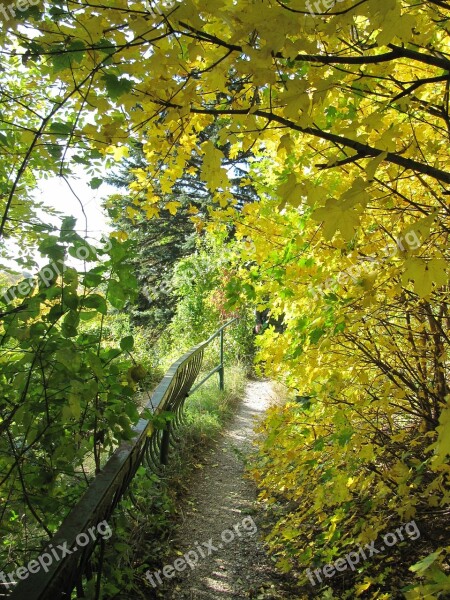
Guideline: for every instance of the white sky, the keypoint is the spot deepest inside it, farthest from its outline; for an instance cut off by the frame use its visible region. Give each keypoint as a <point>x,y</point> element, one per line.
<point>56,194</point>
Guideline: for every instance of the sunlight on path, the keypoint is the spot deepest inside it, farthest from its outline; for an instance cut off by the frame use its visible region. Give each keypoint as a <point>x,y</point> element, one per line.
<point>234,563</point>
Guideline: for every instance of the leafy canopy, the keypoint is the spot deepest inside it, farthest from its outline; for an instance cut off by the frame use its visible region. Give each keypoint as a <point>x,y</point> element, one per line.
<point>346,116</point>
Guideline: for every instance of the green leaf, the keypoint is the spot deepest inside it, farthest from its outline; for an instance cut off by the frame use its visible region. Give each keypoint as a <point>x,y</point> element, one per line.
<point>118,250</point>
<point>77,50</point>
<point>95,183</point>
<point>62,129</point>
<point>55,313</point>
<point>96,301</point>
<point>316,334</point>
<point>106,46</point>
<point>65,57</point>
<point>92,280</point>
<point>249,291</point>
<point>32,12</point>
<point>60,58</point>
<point>70,278</point>
<point>88,315</point>
<point>70,299</point>
<point>116,86</point>
<point>340,327</point>
<point>96,364</point>
<point>55,151</point>
<point>127,343</point>
<point>50,247</point>
<point>67,226</point>
<point>116,294</point>
<point>422,565</point>
<point>69,327</point>
<point>70,358</point>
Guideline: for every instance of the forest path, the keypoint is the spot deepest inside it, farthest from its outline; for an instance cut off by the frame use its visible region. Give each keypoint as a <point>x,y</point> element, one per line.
<point>219,520</point>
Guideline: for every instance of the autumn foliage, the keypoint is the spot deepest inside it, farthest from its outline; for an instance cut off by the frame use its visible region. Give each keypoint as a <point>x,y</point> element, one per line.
<point>343,120</point>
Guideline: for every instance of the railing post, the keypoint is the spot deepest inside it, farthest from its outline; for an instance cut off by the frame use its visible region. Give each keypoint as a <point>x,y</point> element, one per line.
<point>221,370</point>
<point>165,444</point>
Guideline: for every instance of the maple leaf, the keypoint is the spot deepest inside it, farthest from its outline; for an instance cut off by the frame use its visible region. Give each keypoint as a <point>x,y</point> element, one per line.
<point>424,274</point>
<point>337,216</point>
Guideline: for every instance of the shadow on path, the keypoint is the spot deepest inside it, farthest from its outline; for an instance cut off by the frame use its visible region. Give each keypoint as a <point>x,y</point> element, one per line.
<point>219,534</point>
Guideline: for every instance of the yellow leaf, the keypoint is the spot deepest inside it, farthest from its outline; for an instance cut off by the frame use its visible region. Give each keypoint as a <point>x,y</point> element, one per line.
<point>131,213</point>
<point>172,207</point>
<point>372,165</point>
<point>119,235</point>
<point>212,171</point>
<point>290,191</point>
<point>443,443</point>
<point>424,274</point>
<point>362,587</point>
<point>120,152</point>
<point>151,211</point>
<point>336,216</point>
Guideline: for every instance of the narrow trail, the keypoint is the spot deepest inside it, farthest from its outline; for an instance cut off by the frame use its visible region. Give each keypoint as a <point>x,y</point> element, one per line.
<point>219,520</point>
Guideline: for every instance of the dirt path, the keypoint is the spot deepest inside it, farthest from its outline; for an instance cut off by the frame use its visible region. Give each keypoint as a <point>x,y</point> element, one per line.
<point>220,555</point>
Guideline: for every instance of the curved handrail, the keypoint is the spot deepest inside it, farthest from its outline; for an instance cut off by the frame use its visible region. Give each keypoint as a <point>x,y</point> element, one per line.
<point>108,487</point>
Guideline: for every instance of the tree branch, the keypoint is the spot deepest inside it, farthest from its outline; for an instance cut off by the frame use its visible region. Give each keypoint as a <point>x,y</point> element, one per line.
<point>396,52</point>
<point>358,147</point>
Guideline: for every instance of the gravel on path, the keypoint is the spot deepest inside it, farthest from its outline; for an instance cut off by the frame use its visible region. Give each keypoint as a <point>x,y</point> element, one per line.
<point>219,537</point>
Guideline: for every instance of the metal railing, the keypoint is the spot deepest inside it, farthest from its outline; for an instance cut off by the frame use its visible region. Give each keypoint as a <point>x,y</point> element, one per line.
<point>149,446</point>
